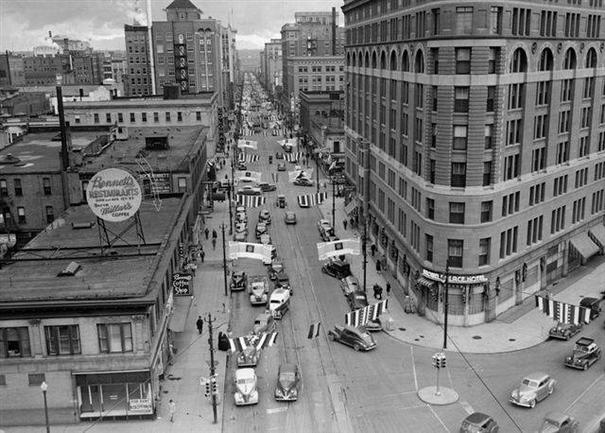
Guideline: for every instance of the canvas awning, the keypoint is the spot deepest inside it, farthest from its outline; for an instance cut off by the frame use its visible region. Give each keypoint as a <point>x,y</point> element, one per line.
<point>598,233</point>
<point>425,282</point>
<point>585,246</point>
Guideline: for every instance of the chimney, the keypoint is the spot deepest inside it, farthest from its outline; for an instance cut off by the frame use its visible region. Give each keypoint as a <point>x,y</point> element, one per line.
<point>333,31</point>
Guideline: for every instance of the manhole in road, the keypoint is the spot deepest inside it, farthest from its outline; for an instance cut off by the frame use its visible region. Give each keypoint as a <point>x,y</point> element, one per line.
<point>512,339</point>
<point>476,337</point>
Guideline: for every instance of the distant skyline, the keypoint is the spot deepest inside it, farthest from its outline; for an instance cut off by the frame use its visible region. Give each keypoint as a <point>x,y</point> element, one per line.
<point>25,24</point>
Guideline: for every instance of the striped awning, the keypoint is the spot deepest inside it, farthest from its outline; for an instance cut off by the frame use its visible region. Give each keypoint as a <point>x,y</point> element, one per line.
<point>308,200</point>
<point>425,282</point>
<point>250,200</point>
<point>584,245</point>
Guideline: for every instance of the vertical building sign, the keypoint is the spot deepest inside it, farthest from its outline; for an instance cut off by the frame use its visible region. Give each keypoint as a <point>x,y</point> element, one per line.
<point>181,72</point>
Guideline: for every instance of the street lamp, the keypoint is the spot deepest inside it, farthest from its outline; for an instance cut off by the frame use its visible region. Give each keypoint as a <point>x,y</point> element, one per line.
<point>44,388</point>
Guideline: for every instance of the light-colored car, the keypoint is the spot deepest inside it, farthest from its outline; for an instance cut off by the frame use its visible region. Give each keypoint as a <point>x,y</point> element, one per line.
<point>261,228</point>
<point>240,236</point>
<point>258,289</point>
<point>290,217</point>
<point>241,217</point>
<point>264,216</point>
<point>264,322</point>
<point>534,387</point>
<point>279,302</point>
<point>241,227</point>
<point>245,387</point>
<point>249,190</point>
<point>240,209</point>
<point>248,357</point>
<point>349,284</point>
<point>558,422</point>
<point>478,422</point>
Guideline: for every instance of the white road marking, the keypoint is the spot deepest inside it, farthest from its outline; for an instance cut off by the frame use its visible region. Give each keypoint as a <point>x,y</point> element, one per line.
<point>414,368</point>
<point>466,406</point>
<point>438,419</point>
<point>277,409</point>
<point>584,392</point>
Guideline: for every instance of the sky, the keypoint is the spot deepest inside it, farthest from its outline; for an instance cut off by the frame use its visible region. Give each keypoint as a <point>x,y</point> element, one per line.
<point>25,23</point>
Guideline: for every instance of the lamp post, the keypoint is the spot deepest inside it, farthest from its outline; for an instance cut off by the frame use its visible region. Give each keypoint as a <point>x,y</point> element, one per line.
<point>333,203</point>
<point>44,388</point>
<point>224,258</point>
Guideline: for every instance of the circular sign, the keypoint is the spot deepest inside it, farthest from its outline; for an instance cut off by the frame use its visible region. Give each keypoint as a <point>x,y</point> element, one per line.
<point>113,195</point>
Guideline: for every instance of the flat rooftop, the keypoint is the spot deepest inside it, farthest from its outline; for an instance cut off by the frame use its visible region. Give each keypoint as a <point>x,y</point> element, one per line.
<point>182,142</point>
<point>40,152</point>
<point>124,273</point>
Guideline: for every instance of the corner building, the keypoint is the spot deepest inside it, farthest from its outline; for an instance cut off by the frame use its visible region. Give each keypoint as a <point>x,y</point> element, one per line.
<point>481,127</point>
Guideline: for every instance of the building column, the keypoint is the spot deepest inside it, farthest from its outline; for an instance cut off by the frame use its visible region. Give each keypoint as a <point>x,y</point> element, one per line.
<point>491,303</point>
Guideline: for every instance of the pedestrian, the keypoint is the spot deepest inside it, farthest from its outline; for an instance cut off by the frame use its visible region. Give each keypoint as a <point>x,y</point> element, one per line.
<point>352,222</point>
<point>214,243</point>
<point>202,255</point>
<point>375,288</point>
<point>214,234</point>
<point>373,249</point>
<point>378,266</point>
<point>344,223</point>
<point>388,289</point>
<point>206,232</point>
<point>171,409</point>
<point>379,290</point>
<point>199,323</point>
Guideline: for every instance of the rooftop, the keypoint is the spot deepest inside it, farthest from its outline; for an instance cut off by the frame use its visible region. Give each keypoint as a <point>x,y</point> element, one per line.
<point>125,273</point>
<point>39,152</point>
<point>182,144</point>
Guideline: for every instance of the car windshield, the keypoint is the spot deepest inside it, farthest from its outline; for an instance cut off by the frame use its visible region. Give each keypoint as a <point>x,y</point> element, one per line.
<point>287,377</point>
<point>549,423</point>
<point>245,381</point>
<point>530,383</point>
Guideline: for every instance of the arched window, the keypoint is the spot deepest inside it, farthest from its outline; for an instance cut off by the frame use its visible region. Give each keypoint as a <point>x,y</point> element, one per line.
<point>570,59</point>
<point>419,62</point>
<point>393,65</point>
<point>383,61</point>
<point>405,62</point>
<point>374,60</point>
<point>348,59</point>
<point>519,61</point>
<point>546,60</point>
<point>353,60</point>
<point>367,63</point>
<point>591,58</point>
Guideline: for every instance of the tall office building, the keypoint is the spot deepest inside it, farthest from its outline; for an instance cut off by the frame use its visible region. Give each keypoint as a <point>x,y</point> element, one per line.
<point>271,65</point>
<point>312,56</point>
<point>476,133</point>
<point>137,77</point>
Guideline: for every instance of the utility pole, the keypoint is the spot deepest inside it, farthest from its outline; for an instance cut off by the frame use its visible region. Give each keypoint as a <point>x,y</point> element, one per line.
<point>212,369</point>
<point>224,258</point>
<point>333,204</point>
<point>446,302</point>
<point>366,208</point>
<point>317,174</point>
<point>229,187</point>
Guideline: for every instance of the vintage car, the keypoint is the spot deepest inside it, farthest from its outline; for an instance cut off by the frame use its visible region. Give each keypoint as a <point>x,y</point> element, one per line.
<point>241,227</point>
<point>269,260</point>
<point>349,284</point>
<point>282,281</point>
<point>281,201</point>
<point>264,216</point>
<point>288,379</point>
<point>279,302</point>
<point>593,304</point>
<point>248,357</point>
<point>290,217</point>
<point>533,388</point>
<point>264,322</point>
<point>281,166</point>
<point>239,281</point>
<point>585,353</point>
<point>245,387</point>
<point>357,338</point>
<point>276,267</point>
<point>258,289</point>
<point>241,166</point>
<point>478,422</point>
<point>303,181</point>
<point>326,231</point>
<point>249,190</point>
<point>336,268</point>
<point>241,218</point>
<point>261,228</point>
<point>558,422</point>
<point>564,331</point>
<point>279,155</point>
<point>240,236</point>
<point>240,209</point>
<point>266,187</point>
<point>358,300</point>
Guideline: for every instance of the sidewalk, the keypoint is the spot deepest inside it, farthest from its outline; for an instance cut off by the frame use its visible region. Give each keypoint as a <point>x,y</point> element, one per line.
<point>524,327</point>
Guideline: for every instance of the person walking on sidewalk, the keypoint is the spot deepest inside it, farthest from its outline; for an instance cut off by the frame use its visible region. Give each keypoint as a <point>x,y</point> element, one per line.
<point>171,409</point>
<point>373,249</point>
<point>378,266</point>
<point>214,234</point>
<point>344,224</point>
<point>202,255</point>
<point>206,232</point>
<point>388,289</point>
<point>199,323</point>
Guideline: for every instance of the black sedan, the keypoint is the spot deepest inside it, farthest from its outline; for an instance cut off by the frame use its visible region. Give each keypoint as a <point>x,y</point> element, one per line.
<point>357,338</point>
<point>303,181</point>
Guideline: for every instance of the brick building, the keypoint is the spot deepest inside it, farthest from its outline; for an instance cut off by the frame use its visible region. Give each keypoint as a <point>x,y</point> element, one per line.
<point>271,66</point>
<point>483,129</point>
<point>12,70</point>
<point>137,80</point>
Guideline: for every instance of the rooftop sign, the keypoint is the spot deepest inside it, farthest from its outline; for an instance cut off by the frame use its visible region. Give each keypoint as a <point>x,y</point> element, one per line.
<point>113,195</point>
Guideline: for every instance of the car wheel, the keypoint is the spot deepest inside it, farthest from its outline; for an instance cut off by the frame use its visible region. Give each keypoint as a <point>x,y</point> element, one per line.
<point>585,366</point>
<point>532,403</point>
<point>551,389</point>
<point>356,347</point>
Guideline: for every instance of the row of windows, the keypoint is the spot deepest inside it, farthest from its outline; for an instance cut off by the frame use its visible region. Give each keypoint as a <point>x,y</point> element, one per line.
<point>18,187</point>
<point>6,216</point>
<point>65,340</point>
<point>143,117</point>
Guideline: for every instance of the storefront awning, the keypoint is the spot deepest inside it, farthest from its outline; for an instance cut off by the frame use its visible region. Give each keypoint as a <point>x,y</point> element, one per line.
<point>425,282</point>
<point>585,246</point>
<point>179,314</point>
<point>598,232</point>
<point>350,207</point>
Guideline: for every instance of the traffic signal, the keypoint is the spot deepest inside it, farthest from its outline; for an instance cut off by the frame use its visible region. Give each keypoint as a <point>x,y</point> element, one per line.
<point>443,362</point>
<point>208,389</point>
<point>214,386</point>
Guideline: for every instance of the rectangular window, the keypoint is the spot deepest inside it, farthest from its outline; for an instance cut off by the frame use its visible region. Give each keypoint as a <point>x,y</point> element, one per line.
<point>516,95</point>
<point>484,247</point>
<point>487,173</point>
<point>538,159</point>
<point>14,342</point>
<point>491,98</point>
<point>521,22</point>
<point>460,137</point>
<point>144,117</point>
<point>132,118</point>
<point>464,20</point>
<point>62,340</point>
<point>559,185</point>
<point>536,193</point>
<point>455,251</point>
<point>50,214</point>
<point>21,215</point>
<point>167,114</point>
<point>36,379</point>
<point>182,184</point>
<point>461,99</point>
<point>557,220</point>
<point>46,186</point>
<point>430,208</point>
<point>120,118</point>
<point>508,242</point>
<point>456,213</point>
<point>115,338</point>
<point>429,247</point>
<point>458,177</point>
<point>156,117</point>
<point>496,20</point>
<point>107,117</point>
<point>179,116</point>
<point>486,211</point>
<point>562,155</point>
<point>492,60</point>
<point>510,203</point>
<point>597,201</point>
<point>419,94</point>
<point>577,213</point>
<point>540,126</point>
<point>514,132</point>
<point>511,167</point>
<point>534,230</point>
<point>566,90</point>
<point>586,118</point>
<point>18,187</point>
<point>96,117</point>
<point>543,93</point>
<point>463,60</point>
<point>198,116</point>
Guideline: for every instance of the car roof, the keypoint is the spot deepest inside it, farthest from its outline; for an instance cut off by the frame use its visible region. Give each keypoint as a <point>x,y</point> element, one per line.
<point>242,373</point>
<point>280,293</point>
<point>288,368</point>
<point>589,301</point>
<point>353,329</point>
<point>477,418</point>
<point>537,376</point>
<point>558,417</point>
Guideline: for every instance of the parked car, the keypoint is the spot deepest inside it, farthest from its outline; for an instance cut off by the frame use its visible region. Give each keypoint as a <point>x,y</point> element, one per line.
<point>281,166</point>
<point>265,239</point>
<point>478,422</point>
<point>282,281</point>
<point>336,268</point>
<point>358,300</point>
<point>279,302</point>
<point>349,284</point>
<point>264,322</point>
<point>585,353</point>
<point>290,217</point>
<point>241,166</point>
<point>281,201</point>
<point>261,228</point>
<point>240,209</point>
<point>303,181</point>
<point>248,357</point>
<point>241,227</point>
<point>593,304</point>
<point>241,217</point>
<point>558,422</point>
<point>239,281</point>
<point>258,289</point>
<point>264,216</point>
<point>245,387</point>
<point>275,267</point>
<point>357,338</point>
<point>249,190</point>
<point>534,387</point>
<point>564,331</point>
<point>240,236</point>
<point>326,231</point>
<point>279,155</point>
<point>266,187</point>
<point>288,379</point>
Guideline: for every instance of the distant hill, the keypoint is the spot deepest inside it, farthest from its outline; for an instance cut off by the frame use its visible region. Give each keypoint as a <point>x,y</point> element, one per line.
<point>249,60</point>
